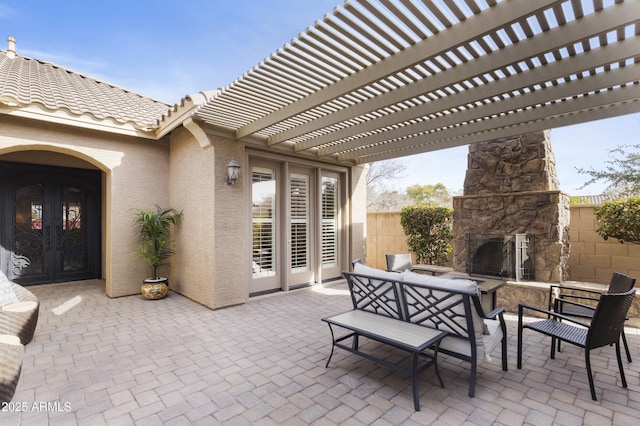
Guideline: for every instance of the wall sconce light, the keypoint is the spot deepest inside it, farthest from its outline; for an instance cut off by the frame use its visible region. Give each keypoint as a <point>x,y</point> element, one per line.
<point>233,172</point>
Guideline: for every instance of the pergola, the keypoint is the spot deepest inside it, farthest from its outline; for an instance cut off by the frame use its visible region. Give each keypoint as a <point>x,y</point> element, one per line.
<point>376,80</point>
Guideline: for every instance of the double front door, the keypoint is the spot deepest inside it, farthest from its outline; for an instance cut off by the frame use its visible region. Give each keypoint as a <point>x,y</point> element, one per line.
<point>296,225</point>
<point>50,223</point>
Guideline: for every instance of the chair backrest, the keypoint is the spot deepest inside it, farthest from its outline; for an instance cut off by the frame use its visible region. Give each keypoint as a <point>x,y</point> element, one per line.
<point>398,262</point>
<point>608,319</point>
<point>621,283</point>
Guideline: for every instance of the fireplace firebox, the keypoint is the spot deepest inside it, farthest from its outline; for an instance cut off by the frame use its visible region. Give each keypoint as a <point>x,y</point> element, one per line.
<point>502,256</point>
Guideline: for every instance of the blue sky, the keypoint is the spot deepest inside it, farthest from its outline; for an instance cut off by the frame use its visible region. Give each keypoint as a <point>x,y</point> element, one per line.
<point>168,49</point>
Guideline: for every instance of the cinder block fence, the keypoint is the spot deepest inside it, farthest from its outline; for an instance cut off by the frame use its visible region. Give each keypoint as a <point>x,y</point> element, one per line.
<point>592,259</point>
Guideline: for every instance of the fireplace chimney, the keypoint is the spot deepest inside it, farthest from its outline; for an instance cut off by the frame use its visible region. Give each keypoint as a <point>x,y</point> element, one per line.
<point>511,192</point>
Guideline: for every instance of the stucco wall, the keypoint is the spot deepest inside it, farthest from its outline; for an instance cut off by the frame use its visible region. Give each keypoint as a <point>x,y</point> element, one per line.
<point>209,265</point>
<point>591,259</point>
<point>231,257</point>
<point>190,188</point>
<point>358,214</point>
<point>135,174</point>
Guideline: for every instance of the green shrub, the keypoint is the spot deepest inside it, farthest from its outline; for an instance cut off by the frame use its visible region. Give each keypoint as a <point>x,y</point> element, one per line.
<point>429,234</point>
<point>619,219</point>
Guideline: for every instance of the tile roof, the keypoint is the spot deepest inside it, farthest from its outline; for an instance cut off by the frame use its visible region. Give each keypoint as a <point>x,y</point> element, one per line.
<point>28,81</point>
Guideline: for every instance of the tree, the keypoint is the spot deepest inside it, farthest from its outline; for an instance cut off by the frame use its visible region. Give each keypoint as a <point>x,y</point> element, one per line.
<point>379,197</point>
<point>382,171</point>
<point>429,233</point>
<point>386,201</point>
<point>430,195</point>
<point>619,219</point>
<point>622,172</point>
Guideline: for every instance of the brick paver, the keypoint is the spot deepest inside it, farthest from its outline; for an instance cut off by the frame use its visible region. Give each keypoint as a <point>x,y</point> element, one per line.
<point>96,360</point>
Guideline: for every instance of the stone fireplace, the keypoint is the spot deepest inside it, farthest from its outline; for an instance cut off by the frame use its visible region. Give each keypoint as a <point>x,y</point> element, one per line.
<point>512,221</point>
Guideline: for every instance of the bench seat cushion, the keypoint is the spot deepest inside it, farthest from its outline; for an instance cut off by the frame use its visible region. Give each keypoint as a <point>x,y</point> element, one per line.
<point>489,342</point>
<point>362,269</point>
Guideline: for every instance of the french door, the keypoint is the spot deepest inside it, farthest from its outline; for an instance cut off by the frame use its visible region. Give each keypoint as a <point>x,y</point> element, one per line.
<point>50,223</point>
<point>296,226</point>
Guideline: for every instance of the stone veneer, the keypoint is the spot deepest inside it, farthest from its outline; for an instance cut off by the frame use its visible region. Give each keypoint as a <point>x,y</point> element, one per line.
<point>511,187</point>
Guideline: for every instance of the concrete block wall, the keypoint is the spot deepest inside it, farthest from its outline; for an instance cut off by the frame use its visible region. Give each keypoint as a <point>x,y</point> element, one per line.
<point>384,236</point>
<point>593,259</point>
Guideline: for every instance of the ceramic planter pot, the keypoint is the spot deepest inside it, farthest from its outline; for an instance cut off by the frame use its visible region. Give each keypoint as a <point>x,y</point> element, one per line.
<point>155,288</point>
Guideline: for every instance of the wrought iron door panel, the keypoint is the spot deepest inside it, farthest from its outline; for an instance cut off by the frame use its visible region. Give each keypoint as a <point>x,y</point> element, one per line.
<point>51,224</point>
<point>31,237</point>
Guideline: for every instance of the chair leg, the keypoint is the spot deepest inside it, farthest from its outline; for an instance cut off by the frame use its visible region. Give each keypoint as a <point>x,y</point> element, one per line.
<point>519,337</point>
<point>590,374</point>
<point>624,379</point>
<point>626,346</point>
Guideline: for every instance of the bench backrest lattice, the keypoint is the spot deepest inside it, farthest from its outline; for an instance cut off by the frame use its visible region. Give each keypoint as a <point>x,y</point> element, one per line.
<point>447,311</point>
<point>375,295</point>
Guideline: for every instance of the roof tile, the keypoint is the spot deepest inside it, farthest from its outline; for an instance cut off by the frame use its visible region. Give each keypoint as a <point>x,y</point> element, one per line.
<point>30,81</point>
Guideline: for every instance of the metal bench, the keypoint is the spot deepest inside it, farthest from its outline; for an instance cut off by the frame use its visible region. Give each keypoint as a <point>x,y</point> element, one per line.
<point>391,331</point>
<point>392,308</point>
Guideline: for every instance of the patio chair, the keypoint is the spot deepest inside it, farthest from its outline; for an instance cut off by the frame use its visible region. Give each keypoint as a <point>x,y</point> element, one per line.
<point>605,328</point>
<point>573,304</point>
<point>399,262</point>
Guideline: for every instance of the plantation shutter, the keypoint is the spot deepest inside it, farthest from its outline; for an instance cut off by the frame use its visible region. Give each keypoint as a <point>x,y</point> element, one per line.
<point>329,222</point>
<point>263,221</point>
<point>299,222</point>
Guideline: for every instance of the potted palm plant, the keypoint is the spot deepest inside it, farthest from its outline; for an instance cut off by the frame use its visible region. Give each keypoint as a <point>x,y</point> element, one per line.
<point>153,228</point>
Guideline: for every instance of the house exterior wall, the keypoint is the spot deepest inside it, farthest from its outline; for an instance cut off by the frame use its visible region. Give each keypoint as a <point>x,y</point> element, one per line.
<point>232,256</point>
<point>358,214</point>
<point>135,174</point>
<point>212,264</point>
<point>211,261</point>
<point>192,267</point>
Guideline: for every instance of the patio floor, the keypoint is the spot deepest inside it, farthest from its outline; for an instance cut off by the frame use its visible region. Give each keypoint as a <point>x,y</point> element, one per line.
<point>96,360</point>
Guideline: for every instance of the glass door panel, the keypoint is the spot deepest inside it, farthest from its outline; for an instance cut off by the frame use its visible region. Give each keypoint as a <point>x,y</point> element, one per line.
<point>71,238</point>
<point>330,228</point>
<point>264,229</point>
<point>301,271</point>
<point>299,223</point>
<point>30,238</point>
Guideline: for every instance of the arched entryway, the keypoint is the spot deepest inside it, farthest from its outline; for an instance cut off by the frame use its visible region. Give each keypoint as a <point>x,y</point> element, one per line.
<point>50,223</point>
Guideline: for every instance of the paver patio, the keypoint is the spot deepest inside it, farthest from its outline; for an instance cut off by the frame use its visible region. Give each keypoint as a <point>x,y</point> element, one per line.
<point>96,360</point>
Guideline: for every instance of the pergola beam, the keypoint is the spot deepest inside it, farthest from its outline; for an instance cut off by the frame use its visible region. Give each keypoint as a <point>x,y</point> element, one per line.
<point>468,30</point>
<point>534,77</point>
<point>538,45</point>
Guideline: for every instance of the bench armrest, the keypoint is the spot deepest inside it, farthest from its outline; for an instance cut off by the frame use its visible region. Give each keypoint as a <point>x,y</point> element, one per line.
<point>493,314</point>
